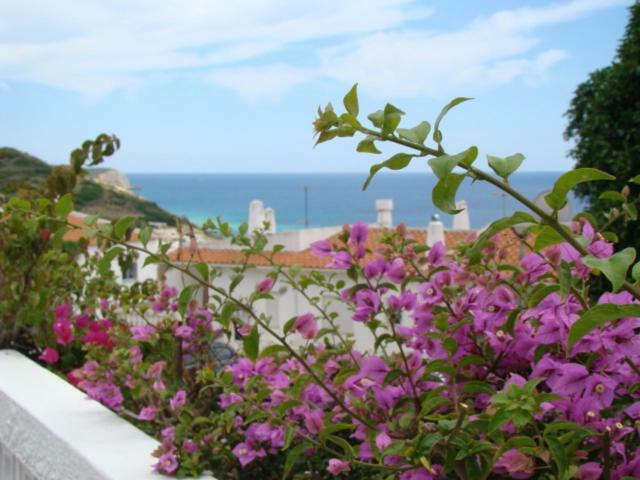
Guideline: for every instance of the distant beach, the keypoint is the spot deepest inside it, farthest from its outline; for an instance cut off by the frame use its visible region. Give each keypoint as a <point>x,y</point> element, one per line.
<point>333,199</point>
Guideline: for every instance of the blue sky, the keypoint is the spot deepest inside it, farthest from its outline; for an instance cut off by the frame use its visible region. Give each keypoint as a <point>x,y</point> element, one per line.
<point>219,86</point>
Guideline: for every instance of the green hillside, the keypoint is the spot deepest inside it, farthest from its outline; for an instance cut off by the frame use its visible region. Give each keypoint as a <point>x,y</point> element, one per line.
<point>19,169</point>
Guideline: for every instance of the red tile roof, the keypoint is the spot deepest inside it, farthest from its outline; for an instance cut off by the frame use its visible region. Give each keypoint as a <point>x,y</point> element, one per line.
<point>508,241</point>
<point>75,234</point>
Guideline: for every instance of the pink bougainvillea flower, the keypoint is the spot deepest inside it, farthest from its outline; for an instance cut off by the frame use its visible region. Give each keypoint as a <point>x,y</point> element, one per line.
<point>63,330</point>
<point>82,321</point>
<point>155,370</point>
<point>178,400</point>
<point>313,420</point>
<point>244,453</point>
<point>375,368</point>
<point>189,446</point>
<point>167,463</point>
<point>97,333</point>
<point>395,270</point>
<point>142,332</point>
<point>306,325</point>
<point>589,471</point>
<point>383,440</point>
<point>49,355</point>
<point>183,331</point>
<point>265,285</point>
<point>244,329</point>
<point>62,311</point>
<point>340,260</point>
<point>367,304</point>
<point>321,249</point>
<point>436,253</point>
<point>375,267</point>
<point>515,464</point>
<point>359,233</point>
<point>226,399</point>
<point>148,413</point>
<point>336,466</point>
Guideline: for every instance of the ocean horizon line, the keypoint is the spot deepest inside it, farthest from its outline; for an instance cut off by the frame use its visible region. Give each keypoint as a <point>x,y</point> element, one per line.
<point>396,173</point>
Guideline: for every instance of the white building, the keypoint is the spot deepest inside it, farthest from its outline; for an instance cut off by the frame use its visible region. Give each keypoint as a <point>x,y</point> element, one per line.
<point>224,257</point>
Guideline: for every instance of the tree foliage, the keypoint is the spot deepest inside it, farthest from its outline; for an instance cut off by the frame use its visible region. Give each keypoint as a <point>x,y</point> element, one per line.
<point>604,123</point>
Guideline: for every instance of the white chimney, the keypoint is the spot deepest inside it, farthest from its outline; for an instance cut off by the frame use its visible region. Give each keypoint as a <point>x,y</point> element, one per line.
<point>256,215</point>
<point>435,230</point>
<point>461,220</point>
<point>270,218</point>
<point>384,208</point>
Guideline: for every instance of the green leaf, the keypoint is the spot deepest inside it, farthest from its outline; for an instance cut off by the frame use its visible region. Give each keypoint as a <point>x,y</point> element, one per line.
<point>541,292</point>
<point>613,196</point>
<point>251,344</point>
<point>376,118</point>
<point>104,265</point>
<point>290,431</point>
<point>367,145</point>
<point>497,226</point>
<point>64,205</point>
<point>444,164</point>
<point>432,404</point>
<point>557,198</point>
<point>326,136</point>
<point>504,167</point>
<point>598,316</point>
<point>351,101</point>
<point>391,120</point>
<point>631,210</point>
<point>397,162</point>
<point>225,314</point>
<point>559,455</point>
<point>145,235</point>
<point>443,194</point>
<point>635,272</point>
<point>203,269</point>
<point>437,134</point>
<point>417,134</point>
<point>635,180</point>
<point>272,350</point>
<point>122,225</point>
<point>185,296</point>
<point>615,267</point>
<point>342,443</point>
<point>546,237</point>
<point>292,457</point>
<point>498,419</point>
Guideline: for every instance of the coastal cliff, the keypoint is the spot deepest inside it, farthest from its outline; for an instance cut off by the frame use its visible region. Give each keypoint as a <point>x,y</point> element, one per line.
<point>105,192</point>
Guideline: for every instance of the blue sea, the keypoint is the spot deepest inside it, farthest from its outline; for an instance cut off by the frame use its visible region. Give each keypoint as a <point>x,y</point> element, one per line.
<point>333,199</point>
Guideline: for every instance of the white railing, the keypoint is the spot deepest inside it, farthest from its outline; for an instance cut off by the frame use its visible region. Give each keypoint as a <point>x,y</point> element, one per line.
<point>49,430</point>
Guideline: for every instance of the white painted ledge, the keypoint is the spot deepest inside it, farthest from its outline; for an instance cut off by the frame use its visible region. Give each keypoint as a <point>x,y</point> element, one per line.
<point>49,430</point>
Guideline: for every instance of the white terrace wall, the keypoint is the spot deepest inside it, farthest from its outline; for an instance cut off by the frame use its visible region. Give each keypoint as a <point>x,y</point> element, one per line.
<point>49,430</point>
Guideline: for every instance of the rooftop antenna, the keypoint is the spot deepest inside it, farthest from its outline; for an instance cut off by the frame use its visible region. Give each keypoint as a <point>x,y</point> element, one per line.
<point>564,214</point>
<point>306,206</point>
<point>504,201</point>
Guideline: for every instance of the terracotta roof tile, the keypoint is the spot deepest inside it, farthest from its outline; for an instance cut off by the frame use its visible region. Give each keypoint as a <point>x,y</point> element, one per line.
<point>305,259</point>
<point>75,234</point>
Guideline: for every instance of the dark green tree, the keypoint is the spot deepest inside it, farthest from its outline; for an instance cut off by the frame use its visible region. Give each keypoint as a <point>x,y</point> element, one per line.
<point>604,123</point>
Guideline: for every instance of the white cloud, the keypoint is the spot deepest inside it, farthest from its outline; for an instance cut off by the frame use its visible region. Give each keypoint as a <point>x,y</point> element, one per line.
<point>262,83</point>
<point>98,46</point>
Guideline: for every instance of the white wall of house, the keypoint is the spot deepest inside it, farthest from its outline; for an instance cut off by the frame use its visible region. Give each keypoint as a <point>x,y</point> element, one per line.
<point>287,303</point>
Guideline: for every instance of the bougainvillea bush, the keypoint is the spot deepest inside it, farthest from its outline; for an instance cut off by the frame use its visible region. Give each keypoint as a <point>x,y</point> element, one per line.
<point>475,374</point>
<point>480,368</point>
